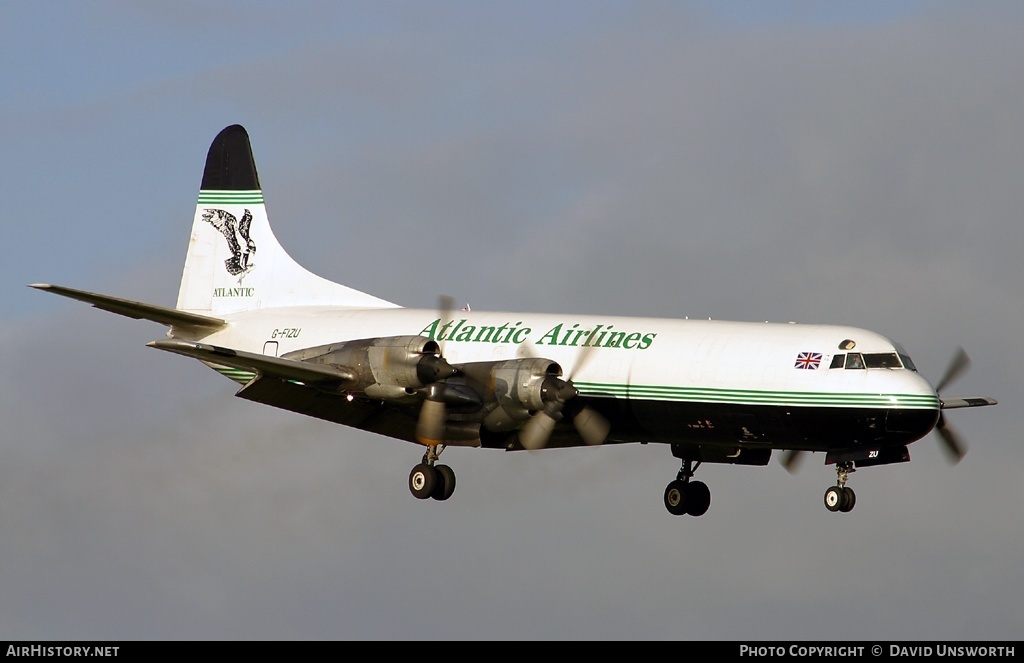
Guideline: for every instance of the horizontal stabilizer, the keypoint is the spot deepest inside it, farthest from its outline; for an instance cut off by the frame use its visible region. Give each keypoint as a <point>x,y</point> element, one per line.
<point>137,310</point>
<point>974,401</point>
<point>264,365</point>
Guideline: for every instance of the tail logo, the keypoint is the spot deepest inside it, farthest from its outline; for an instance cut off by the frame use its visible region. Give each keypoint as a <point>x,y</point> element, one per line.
<point>236,232</point>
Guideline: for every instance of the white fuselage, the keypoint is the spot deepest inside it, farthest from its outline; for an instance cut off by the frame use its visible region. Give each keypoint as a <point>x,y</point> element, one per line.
<point>664,359</point>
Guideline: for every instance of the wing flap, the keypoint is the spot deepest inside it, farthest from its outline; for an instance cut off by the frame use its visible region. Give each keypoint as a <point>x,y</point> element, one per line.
<point>264,365</point>
<point>137,310</point>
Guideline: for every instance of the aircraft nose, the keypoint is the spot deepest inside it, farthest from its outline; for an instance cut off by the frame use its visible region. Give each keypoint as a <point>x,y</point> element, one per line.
<point>918,408</point>
<point>913,424</point>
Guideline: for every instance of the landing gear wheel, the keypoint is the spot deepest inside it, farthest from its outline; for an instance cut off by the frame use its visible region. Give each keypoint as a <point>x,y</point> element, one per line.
<point>698,498</point>
<point>839,497</point>
<point>445,485</point>
<point>676,497</point>
<point>835,498</point>
<point>684,495</point>
<point>849,500</point>
<point>422,481</point>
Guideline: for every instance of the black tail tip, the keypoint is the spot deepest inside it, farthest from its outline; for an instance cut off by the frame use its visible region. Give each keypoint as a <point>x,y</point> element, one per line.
<point>229,163</point>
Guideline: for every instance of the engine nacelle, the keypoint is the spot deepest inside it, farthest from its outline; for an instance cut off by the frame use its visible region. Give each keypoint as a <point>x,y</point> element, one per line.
<point>389,367</point>
<point>521,386</point>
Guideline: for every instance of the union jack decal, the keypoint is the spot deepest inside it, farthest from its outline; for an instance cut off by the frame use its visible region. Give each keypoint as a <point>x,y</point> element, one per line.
<point>808,361</point>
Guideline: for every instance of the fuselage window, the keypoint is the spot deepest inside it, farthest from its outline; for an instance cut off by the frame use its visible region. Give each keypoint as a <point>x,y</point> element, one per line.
<point>838,361</point>
<point>854,360</point>
<point>907,363</point>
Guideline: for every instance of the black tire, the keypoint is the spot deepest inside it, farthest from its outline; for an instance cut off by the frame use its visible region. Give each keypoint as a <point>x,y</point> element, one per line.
<point>698,498</point>
<point>445,485</point>
<point>422,481</point>
<point>675,498</point>
<point>835,498</point>
<point>849,500</point>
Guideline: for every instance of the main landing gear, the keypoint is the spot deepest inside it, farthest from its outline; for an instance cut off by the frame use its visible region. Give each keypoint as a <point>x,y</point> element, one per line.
<point>839,497</point>
<point>431,480</point>
<point>685,496</point>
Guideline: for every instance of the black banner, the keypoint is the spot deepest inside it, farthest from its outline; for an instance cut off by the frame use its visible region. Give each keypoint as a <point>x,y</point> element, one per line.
<point>101,650</point>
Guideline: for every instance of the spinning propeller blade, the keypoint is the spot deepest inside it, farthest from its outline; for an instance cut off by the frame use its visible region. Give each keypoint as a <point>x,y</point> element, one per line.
<point>791,460</point>
<point>960,363</point>
<point>431,423</point>
<point>560,393</point>
<point>536,432</point>
<point>951,442</point>
<point>430,426</point>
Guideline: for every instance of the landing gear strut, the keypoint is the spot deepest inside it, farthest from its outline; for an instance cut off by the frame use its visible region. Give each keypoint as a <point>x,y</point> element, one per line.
<point>685,496</point>
<point>840,497</point>
<point>431,480</point>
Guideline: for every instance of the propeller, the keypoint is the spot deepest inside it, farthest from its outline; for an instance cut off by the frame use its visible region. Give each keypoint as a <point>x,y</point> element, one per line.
<point>791,460</point>
<point>957,366</point>
<point>951,442</point>
<point>559,396</point>
<point>432,371</point>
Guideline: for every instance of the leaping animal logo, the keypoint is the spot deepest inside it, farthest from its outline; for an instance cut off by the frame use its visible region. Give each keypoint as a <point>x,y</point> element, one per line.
<point>237,235</point>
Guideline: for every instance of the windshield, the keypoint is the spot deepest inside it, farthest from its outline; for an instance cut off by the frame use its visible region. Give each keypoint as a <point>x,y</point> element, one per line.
<point>873,360</point>
<point>882,360</point>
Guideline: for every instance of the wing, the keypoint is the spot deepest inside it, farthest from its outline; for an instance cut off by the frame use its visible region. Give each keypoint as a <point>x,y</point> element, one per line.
<point>303,387</point>
<point>401,387</point>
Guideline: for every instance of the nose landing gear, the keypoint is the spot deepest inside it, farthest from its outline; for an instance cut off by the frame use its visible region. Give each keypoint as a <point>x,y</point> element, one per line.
<point>840,497</point>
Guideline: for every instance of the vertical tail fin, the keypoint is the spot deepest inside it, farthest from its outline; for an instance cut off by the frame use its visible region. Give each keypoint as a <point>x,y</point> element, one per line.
<point>234,262</point>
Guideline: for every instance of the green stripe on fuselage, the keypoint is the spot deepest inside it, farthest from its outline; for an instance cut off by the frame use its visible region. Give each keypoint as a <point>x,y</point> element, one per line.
<point>709,395</point>
<point>757,397</point>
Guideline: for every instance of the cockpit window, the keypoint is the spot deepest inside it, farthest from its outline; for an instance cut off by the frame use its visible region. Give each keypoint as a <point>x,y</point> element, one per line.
<point>861,360</point>
<point>882,360</point>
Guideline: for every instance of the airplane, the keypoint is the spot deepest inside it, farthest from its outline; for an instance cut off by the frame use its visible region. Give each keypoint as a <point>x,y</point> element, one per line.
<point>711,391</point>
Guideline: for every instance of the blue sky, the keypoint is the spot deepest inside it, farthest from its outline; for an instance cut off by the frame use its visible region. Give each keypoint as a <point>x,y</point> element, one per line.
<point>807,13</point>
<point>855,163</point>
